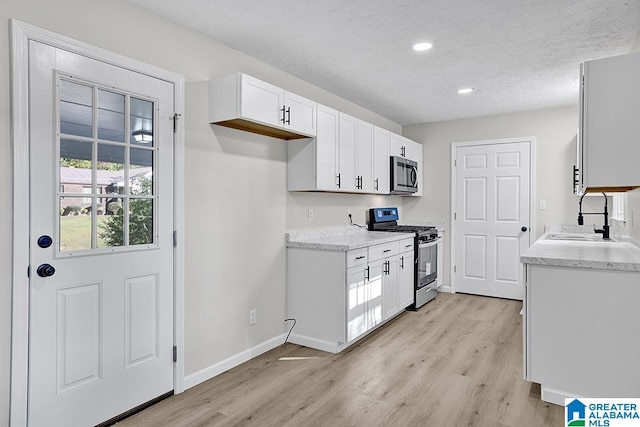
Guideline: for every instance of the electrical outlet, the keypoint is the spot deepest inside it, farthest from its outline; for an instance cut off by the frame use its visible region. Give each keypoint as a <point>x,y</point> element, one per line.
<point>543,205</point>
<point>252,317</point>
<point>310,214</point>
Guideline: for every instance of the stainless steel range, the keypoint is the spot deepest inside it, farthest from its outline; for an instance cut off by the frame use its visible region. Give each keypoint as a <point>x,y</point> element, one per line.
<point>425,247</point>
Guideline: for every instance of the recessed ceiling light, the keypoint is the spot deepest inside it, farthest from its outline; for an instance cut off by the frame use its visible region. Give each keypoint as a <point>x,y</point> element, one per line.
<point>422,46</point>
<point>465,90</point>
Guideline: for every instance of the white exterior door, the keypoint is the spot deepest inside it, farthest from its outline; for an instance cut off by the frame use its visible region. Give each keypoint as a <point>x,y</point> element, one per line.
<point>491,217</point>
<point>101,249</point>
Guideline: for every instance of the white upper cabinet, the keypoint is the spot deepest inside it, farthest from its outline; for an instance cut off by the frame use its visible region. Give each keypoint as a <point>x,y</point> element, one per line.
<point>300,114</point>
<point>347,137</point>
<point>381,161</point>
<point>261,101</point>
<point>609,136</point>
<point>364,157</point>
<point>243,102</point>
<point>355,158</point>
<point>313,162</point>
<point>400,146</point>
<point>327,148</point>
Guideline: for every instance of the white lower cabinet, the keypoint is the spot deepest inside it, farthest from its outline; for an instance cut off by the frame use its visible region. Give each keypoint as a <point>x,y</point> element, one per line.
<point>406,291</point>
<point>337,297</point>
<point>364,302</point>
<point>396,273</point>
<point>580,329</point>
<point>388,269</point>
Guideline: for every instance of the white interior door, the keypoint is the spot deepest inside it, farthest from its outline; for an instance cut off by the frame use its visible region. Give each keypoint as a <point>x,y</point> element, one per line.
<point>101,247</point>
<point>491,218</point>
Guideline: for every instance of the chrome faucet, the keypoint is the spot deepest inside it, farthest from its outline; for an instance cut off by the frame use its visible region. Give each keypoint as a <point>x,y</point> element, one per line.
<point>605,227</point>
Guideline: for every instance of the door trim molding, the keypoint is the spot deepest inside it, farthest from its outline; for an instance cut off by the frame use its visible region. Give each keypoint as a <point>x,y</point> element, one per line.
<point>532,192</point>
<point>21,34</point>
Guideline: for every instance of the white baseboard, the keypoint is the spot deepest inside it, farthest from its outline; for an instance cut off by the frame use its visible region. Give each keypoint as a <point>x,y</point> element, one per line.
<point>231,362</point>
<point>555,396</point>
<point>330,347</point>
<point>445,288</point>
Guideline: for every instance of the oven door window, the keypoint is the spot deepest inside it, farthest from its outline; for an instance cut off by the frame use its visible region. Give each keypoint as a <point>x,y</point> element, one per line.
<point>427,262</point>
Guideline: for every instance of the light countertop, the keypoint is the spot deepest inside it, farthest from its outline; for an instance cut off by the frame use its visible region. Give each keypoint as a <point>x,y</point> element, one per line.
<point>341,238</point>
<point>619,253</point>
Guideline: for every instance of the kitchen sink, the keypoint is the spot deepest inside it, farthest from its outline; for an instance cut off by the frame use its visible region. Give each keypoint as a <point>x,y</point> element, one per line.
<point>578,237</point>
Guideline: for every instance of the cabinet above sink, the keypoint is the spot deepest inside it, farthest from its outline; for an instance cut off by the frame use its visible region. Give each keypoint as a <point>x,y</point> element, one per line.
<point>609,132</point>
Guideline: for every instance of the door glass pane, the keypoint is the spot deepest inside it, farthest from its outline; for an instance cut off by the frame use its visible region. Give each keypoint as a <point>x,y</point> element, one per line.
<point>75,109</point>
<point>75,224</point>
<point>111,158</point>
<point>75,165</point>
<point>141,172</point>
<point>141,122</point>
<point>141,221</point>
<point>111,115</point>
<point>111,224</point>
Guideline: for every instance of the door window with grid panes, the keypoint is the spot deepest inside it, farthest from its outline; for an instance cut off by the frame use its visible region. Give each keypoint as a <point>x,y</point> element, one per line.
<point>106,145</point>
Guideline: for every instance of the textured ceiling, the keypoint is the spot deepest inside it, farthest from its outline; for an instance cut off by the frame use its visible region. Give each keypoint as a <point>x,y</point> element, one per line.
<point>518,54</point>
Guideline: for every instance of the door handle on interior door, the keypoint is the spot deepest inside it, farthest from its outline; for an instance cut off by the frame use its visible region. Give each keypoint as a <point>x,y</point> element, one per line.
<point>524,228</point>
<point>46,270</point>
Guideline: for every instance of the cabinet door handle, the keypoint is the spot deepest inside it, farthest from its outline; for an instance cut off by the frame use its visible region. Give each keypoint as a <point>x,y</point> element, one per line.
<point>386,250</point>
<point>338,180</point>
<point>282,109</point>
<point>288,116</point>
<point>402,262</point>
<point>366,274</point>
<point>360,257</point>
<point>408,246</point>
<point>402,151</point>
<point>376,184</point>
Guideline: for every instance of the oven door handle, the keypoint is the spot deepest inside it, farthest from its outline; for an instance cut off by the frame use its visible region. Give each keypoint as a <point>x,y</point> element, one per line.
<point>428,244</point>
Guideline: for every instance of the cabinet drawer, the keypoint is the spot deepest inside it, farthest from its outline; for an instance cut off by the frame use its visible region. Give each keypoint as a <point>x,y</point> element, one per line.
<point>406,245</point>
<point>383,251</point>
<point>357,257</point>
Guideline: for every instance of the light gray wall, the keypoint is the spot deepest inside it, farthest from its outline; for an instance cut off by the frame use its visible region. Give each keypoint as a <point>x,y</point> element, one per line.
<point>555,132</point>
<point>237,206</point>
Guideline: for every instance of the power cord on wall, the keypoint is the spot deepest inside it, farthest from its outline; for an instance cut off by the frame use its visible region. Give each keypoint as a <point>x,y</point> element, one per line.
<point>357,225</point>
<point>292,326</point>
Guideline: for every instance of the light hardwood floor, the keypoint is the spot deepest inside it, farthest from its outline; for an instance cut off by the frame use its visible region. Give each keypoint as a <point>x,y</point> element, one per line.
<point>455,362</point>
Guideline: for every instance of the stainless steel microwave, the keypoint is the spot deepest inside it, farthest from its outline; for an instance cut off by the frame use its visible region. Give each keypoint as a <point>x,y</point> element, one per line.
<point>404,175</point>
